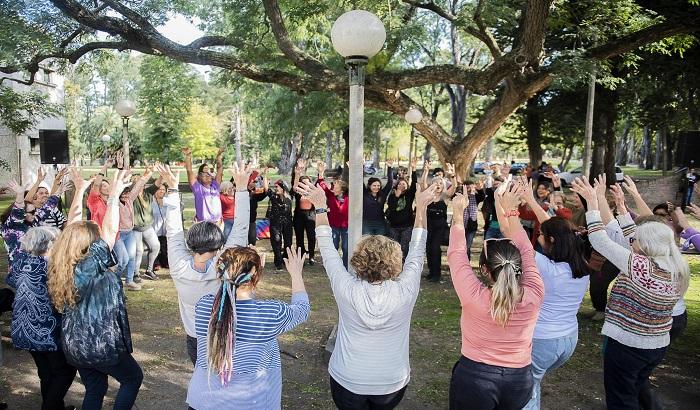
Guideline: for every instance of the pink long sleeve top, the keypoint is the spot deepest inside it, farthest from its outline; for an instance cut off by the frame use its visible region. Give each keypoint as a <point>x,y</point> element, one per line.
<point>484,340</point>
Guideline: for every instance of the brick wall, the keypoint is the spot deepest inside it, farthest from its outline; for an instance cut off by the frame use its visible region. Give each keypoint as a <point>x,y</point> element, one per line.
<point>659,190</point>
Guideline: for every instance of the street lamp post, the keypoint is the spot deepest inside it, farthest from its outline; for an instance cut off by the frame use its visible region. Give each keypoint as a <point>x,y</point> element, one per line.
<point>125,108</point>
<point>357,36</point>
<point>386,155</point>
<point>413,117</point>
<point>105,140</point>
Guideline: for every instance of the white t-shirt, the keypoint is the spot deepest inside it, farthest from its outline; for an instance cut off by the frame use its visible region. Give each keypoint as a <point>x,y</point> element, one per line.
<point>562,298</point>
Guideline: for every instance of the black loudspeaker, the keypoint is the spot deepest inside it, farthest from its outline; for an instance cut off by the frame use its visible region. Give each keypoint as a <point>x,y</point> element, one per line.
<point>53,145</point>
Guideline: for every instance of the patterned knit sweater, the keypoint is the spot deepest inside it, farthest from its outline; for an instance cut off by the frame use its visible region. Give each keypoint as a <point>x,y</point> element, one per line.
<point>638,313</point>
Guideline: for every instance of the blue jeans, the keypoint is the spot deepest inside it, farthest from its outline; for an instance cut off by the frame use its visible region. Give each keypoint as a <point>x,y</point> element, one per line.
<point>373,228</point>
<point>127,372</point>
<point>228,225</point>
<point>121,256</point>
<point>688,196</point>
<point>338,234</point>
<point>128,239</point>
<point>547,355</point>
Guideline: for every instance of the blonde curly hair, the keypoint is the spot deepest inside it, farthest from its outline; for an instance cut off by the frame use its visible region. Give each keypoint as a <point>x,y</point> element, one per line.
<point>377,258</point>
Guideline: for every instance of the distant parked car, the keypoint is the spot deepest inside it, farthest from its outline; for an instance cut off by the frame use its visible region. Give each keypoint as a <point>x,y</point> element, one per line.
<point>568,177</point>
<point>516,168</point>
<point>369,168</point>
<point>479,167</point>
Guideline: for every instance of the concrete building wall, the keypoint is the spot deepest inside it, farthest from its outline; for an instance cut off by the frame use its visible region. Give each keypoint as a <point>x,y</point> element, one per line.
<point>22,152</point>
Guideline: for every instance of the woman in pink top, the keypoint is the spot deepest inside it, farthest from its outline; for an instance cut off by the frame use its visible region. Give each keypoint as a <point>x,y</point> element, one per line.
<point>500,306</point>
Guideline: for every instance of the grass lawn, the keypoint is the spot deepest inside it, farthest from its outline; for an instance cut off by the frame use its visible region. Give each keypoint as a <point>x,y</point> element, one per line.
<point>159,343</point>
<point>635,172</point>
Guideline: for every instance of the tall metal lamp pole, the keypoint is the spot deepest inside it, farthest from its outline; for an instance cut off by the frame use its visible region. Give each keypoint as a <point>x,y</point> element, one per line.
<point>126,109</point>
<point>413,117</point>
<point>357,35</point>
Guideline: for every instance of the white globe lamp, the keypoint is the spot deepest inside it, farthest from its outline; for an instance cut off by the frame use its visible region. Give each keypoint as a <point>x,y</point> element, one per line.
<point>413,116</point>
<point>358,34</point>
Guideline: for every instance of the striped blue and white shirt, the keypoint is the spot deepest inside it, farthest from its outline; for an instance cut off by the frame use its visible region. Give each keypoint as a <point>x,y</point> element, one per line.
<point>257,368</point>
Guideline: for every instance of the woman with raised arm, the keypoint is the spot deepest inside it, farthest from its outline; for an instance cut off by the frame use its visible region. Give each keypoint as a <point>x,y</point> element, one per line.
<point>126,228</point>
<point>653,277</point>
<point>238,357</point>
<point>369,366</point>
<point>205,187</point>
<point>36,326</point>
<point>437,220</point>
<point>500,306</point>
<point>279,214</point>
<point>562,265</point>
<point>304,215</point>
<point>192,259</point>
<point>374,198</point>
<point>143,231</point>
<point>16,220</point>
<point>400,210</point>
<point>46,202</point>
<point>95,331</point>
<point>338,208</point>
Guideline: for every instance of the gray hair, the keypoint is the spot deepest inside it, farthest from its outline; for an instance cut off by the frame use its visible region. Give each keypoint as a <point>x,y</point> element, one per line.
<point>38,240</point>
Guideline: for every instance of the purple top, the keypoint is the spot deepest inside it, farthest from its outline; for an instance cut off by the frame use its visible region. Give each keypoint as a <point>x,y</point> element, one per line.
<point>690,237</point>
<point>206,202</point>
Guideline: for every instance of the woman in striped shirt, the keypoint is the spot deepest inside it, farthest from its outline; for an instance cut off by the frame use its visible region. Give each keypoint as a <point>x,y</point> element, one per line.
<point>653,277</point>
<point>238,360</point>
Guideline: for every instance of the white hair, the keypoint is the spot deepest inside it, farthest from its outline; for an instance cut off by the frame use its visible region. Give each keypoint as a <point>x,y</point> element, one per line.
<point>38,240</point>
<point>658,242</point>
<point>225,186</point>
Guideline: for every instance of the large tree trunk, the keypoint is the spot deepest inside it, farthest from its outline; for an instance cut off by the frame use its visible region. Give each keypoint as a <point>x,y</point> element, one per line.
<point>426,151</point>
<point>605,114</point>
<point>660,135</point>
<point>566,157</point>
<point>647,153</point>
<point>623,149</point>
<point>533,126</point>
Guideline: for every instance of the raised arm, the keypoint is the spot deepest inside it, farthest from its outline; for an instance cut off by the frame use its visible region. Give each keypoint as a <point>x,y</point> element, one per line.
<point>137,188</point>
<point>178,255</point>
<point>220,165</point>
<point>424,174</point>
<point>101,175</point>
<point>191,176</point>
<point>600,185</point>
<point>413,266</point>
<point>466,284</point>
<point>40,175</point>
<point>540,214</point>
<point>58,182</point>
<point>642,207</point>
<point>450,172</point>
<point>266,182</point>
<point>297,312</point>
<point>110,223</point>
<point>75,213</point>
<point>241,218</point>
<point>616,254</point>
<point>389,179</point>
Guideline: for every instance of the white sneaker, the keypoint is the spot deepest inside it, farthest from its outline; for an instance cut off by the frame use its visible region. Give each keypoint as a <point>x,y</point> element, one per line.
<point>132,286</point>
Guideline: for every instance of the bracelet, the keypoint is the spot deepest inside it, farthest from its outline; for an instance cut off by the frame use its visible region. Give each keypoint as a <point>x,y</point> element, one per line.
<point>514,212</point>
<point>320,211</point>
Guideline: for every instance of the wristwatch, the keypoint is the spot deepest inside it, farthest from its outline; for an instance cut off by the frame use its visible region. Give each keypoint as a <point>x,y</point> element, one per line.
<point>320,210</point>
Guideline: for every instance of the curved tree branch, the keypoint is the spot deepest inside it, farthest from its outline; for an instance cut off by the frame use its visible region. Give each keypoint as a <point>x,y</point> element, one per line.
<point>300,59</point>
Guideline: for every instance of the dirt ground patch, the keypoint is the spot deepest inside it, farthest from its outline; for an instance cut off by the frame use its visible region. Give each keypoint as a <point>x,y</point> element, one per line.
<point>159,342</point>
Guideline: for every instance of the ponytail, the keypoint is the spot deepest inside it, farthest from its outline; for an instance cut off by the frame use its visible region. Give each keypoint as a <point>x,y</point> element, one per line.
<point>505,293</point>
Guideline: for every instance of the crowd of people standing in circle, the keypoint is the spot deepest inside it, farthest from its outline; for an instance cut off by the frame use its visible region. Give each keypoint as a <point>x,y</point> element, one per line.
<point>519,300</point>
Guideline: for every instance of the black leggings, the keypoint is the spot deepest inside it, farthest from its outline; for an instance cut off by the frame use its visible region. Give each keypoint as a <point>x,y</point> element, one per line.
<point>280,239</point>
<point>436,234</point>
<point>56,377</point>
<point>344,399</point>
<point>600,281</point>
<point>162,258</point>
<point>305,221</point>
<point>476,385</point>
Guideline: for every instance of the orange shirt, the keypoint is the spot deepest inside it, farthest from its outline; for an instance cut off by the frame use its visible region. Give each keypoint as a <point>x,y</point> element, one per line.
<point>484,340</point>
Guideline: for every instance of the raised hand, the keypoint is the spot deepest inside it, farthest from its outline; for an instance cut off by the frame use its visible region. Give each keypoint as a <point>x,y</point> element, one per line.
<point>600,185</point>
<point>480,184</point>
<point>18,190</point>
<point>166,173</point>
<point>294,262</point>
<point>301,165</point>
<point>321,166</point>
<point>630,186</point>
<point>509,198</point>
<point>120,180</point>
<point>680,218</point>
<point>390,163</point>
<point>414,163</point>
<point>426,164</point>
<point>109,162</point>
<point>40,174</point>
<point>76,178</point>
<point>582,187</point>
<point>241,175</point>
<point>619,197</point>
<point>459,204</point>
<point>694,210</point>
<point>556,180</point>
<point>313,193</point>
<point>220,152</point>
<point>120,159</point>
<point>425,197</point>
<point>449,170</point>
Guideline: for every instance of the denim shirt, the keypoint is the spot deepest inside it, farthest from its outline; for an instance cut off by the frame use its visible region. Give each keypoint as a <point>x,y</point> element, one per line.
<point>36,325</point>
<point>95,332</point>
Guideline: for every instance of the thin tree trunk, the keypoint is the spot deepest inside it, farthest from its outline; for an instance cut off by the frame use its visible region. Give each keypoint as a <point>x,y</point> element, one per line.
<point>647,153</point>
<point>623,149</point>
<point>329,149</point>
<point>426,152</point>
<point>659,147</point>
<point>376,146</point>
<point>533,126</point>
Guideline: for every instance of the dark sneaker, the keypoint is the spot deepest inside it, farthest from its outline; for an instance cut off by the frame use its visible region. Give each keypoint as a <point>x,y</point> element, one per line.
<point>150,275</point>
<point>312,261</point>
<point>137,279</point>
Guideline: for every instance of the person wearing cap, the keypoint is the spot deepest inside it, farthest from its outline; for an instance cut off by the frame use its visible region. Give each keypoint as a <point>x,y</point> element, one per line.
<point>280,216</point>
